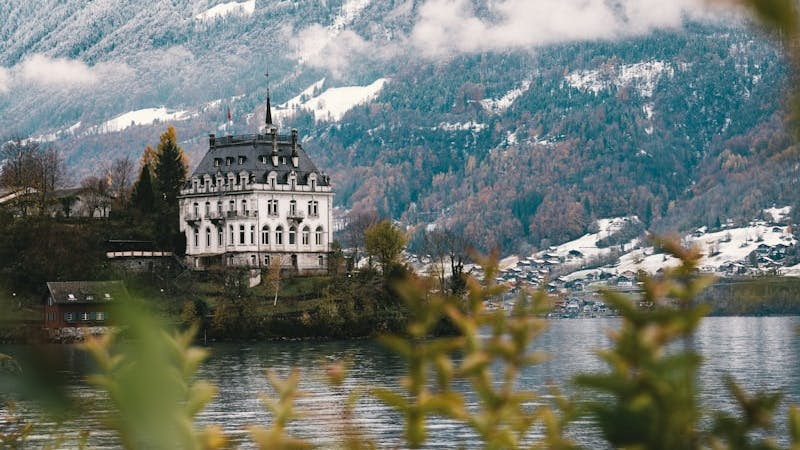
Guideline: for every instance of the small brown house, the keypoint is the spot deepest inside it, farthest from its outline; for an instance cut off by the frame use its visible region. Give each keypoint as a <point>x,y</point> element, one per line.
<point>77,308</point>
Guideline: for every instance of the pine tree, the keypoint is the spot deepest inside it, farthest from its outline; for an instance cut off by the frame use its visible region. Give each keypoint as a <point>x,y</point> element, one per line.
<point>143,196</point>
<point>170,171</point>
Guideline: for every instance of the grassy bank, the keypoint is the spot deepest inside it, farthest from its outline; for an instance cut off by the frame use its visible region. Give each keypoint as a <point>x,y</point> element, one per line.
<point>761,296</point>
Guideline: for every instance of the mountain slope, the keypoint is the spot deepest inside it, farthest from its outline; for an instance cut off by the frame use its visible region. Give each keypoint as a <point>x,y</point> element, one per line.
<point>512,147</point>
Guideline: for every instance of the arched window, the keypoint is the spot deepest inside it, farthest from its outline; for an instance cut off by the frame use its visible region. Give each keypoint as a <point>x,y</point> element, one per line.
<point>279,235</point>
<point>292,235</point>
<point>196,210</point>
<point>208,237</point>
<point>321,261</point>
<point>266,260</point>
<point>318,236</point>
<point>219,236</point>
<point>252,234</point>
<point>265,235</point>
<point>196,238</point>
<point>306,234</point>
<point>231,241</point>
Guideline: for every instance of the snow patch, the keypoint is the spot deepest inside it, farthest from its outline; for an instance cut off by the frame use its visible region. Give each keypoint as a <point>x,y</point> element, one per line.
<point>224,9</point>
<point>330,105</point>
<point>497,106</point>
<point>585,249</point>
<point>644,76</point>
<point>144,116</point>
<point>350,10</point>
<point>719,248</point>
<point>461,126</point>
<point>58,134</point>
<point>778,214</point>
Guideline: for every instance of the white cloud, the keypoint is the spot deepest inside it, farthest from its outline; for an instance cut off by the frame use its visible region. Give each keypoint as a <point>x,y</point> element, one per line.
<point>44,71</point>
<point>444,28</point>
<point>5,80</point>
<point>452,26</point>
<point>317,47</point>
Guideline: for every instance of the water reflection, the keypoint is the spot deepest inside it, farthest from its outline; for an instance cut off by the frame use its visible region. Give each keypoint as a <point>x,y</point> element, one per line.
<point>762,353</point>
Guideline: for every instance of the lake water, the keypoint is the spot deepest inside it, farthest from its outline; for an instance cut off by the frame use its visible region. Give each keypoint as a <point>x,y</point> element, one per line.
<point>763,353</point>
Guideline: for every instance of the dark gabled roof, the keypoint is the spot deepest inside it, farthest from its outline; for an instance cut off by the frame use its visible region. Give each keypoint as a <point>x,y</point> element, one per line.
<point>254,147</point>
<point>86,291</point>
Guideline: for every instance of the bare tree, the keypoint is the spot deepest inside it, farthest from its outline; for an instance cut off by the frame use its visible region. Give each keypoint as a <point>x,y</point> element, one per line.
<point>95,193</point>
<point>32,170</point>
<point>357,224</point>
<point>446,246</point>
<point>119,175</point>
<point>273,279</point>
<point>52,175</point>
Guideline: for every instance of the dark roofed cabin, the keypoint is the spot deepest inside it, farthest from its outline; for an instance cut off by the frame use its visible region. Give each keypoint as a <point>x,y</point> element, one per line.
<point>79,304</point>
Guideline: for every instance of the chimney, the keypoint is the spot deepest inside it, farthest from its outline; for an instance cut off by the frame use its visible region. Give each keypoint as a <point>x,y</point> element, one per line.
<point>295,156</point>
<point>212,141</point>
<point>274,146</point>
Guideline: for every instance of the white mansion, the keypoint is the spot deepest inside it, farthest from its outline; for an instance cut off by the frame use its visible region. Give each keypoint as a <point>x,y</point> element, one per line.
<point>256,200</point>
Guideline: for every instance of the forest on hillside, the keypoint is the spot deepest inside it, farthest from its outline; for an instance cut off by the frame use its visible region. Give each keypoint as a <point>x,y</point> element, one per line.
<point>681,127</point>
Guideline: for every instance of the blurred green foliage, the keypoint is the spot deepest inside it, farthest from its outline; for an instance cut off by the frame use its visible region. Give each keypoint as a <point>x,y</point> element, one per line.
<point>649,396</point>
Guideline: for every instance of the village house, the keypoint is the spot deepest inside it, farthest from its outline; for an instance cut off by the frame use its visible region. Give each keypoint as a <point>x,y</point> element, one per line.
<point>257,200</point>
<point>75,309</point>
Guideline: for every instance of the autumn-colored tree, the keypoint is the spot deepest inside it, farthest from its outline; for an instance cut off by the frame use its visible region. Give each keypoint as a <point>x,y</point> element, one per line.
<point>273,276</point>
<point>384,242</point>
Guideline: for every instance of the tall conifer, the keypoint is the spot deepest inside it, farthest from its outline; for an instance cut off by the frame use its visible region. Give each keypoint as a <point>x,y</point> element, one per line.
<point>143,196</point>
<point>170,172</point>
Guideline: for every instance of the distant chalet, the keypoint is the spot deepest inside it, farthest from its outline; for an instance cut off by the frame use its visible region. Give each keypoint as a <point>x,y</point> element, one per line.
<point>75,309</point>
<point>257,200</point>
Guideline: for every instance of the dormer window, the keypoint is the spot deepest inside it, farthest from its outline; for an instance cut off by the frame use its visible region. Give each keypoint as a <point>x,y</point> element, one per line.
<point>283,160</point>
<point>217,162</point>
<point>229,161</point>
<point>242,159</point>
<point>263,159</point>
<point>71,297</point>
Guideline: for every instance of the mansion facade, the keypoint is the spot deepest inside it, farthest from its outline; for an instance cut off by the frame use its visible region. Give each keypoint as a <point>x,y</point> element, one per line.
<point>256,201</point>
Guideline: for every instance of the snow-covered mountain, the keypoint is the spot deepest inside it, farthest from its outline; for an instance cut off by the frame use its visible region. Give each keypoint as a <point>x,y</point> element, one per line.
<point>617,111</point>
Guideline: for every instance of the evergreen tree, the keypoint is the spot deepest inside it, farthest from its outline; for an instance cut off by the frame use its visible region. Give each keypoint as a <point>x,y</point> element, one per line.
<point>170,172</point>
<point>143,196</point>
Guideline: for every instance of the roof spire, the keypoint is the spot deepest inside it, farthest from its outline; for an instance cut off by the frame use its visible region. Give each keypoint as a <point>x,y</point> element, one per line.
<point>269,107</point>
